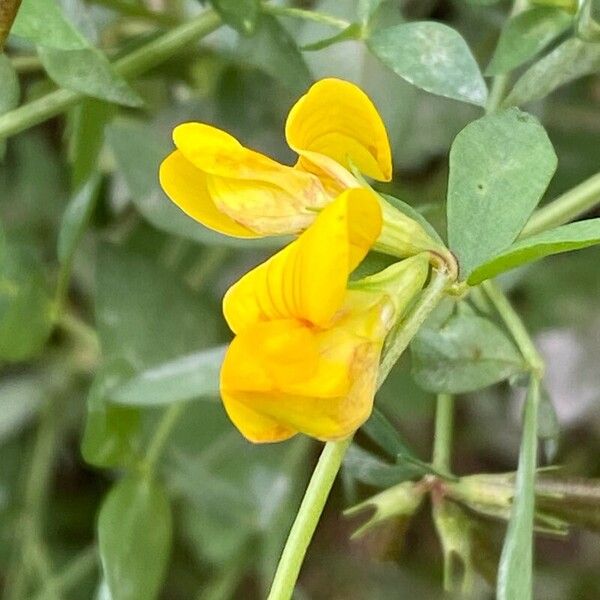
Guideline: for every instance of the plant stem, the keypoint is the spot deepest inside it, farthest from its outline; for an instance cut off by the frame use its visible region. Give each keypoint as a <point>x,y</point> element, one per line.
<point>500,82</point>
<point>138,10</point>
<point>442,440</point>
<point>400,337</point>
<point>161,435</point>
<point>331,458</point>
<point>35,494</point>
<point>516,327</point>
<point>26,64</point>
<point>307,518</point>
<point>136,62</point>
<point>306,15</point>
<point>8,13</point>
<point>565,208</point>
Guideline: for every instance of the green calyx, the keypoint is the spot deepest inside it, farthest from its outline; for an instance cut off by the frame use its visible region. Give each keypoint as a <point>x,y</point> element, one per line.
<point>403,236</point>
<point>400,501</point>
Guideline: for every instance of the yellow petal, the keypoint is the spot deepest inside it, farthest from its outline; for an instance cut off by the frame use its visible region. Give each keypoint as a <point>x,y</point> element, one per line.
<point>263,207</point>
<point>337,119</point>
<point>282,377</point>
<point>186,187</point>
<point>267,197</point>
<point>310,407</point>
<point>254,426</point>
<point>307,279</point>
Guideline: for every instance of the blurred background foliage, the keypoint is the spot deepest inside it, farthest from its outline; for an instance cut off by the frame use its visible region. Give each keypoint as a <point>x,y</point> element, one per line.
<point>142,291</point>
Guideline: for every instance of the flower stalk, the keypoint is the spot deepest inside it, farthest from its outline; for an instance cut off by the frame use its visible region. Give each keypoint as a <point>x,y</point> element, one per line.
<point>332,456</point>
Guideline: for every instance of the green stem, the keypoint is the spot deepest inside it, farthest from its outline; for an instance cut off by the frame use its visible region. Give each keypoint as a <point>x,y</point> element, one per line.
<point>500,82</point>
<point>35,494</point>
<point>26,64</point>
<point>331,458</point>
<point>516,327</point>
<point>442,441</point>
<point>136,62</point>
<point>307,518</point>
<point>306,15</point>
<point>83,334</point>
<point>138,10</point>
<point>400,337</point>
<point>161,435</point>
<point>565,208</point>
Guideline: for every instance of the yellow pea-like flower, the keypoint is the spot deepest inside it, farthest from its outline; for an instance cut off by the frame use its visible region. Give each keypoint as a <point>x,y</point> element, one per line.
<point>307,348</point>
<point>237,191</point>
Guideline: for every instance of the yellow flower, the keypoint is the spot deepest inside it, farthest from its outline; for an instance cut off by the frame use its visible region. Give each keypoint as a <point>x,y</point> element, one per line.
<point>240,192</point>
<point>306,349</point>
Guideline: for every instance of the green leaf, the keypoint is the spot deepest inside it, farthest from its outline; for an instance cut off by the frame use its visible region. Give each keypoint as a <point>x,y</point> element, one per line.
<point>219,520</point>
<point>21,395</point>
<point>385,435</point>
<point>134,536</point>
<point>68,57</point>
<point>145,314</point>
<point>500,166</point>
<point>43,23</point>
<point>111,437</point>
<point>433,57</point>
<point>468,353</point>
<point>516,562</point>
<point>75,219</point>
<point>9,90</point>
<point>367,468</point>
<point>525,35</point>
<point>240,14</point>
<point>273,50</point>
<point>88,71</point>
<point>26,309</point>
<point>185,378</point>
<point>569,61</point>
<point>573,236</point>
<point>89,120</point>
<point>139,149</point>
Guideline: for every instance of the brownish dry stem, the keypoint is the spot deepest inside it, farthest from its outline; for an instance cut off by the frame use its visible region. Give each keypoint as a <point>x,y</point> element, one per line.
<point>8,12</point>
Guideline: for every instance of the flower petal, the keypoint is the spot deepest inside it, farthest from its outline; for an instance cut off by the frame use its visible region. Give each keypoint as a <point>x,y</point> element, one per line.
<point>307,279</point>
<point>253,189</point>
<point>330,405</point>
<point>254,426</point>
<point>337,119</point>
<point>186,187</point>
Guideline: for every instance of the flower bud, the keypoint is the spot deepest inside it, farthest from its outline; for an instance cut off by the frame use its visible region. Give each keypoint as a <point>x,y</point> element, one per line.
<point>401,501</point>
<point>455,529</point>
